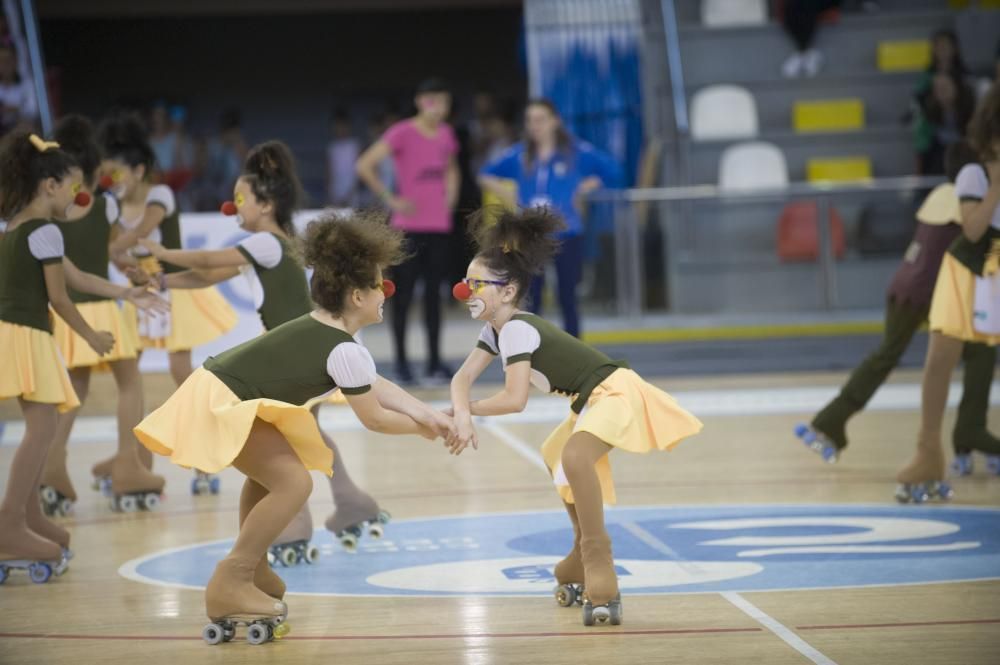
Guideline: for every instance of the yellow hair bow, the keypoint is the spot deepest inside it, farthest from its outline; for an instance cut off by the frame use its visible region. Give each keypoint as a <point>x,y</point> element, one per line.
<point>42,145</point>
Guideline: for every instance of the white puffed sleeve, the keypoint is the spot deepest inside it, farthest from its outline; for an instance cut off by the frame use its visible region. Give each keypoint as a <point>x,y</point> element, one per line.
<point>351,367</point>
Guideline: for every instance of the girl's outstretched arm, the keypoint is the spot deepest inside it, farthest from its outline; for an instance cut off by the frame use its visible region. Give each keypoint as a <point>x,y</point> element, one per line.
<point>461,386</point>
<point>514,396</point>
<point>394,398</point>
<point>198,259</point>
<point>377,418</point>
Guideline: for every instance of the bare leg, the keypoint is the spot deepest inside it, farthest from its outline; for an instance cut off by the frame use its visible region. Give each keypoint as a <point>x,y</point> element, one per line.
<point>269,461</point>
<point>55,473</point>
<point>264,578</point>
<point>17,540</point>
<point>579,456</point>
<point>927,464</point>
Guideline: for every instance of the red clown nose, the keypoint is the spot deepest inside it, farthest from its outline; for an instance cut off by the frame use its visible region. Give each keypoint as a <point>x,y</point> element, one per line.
<point>105,182</point>
<point>228,208</point>
<point>461,291</point>
<point>82,199</point>
<point>388,287</point>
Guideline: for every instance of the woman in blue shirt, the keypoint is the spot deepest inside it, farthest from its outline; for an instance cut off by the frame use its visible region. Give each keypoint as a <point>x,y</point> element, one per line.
<point>556,170</point>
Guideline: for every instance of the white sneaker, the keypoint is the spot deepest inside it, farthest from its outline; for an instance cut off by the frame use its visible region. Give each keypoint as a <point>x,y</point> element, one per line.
<point>812,62</point>
<point>792,67</point>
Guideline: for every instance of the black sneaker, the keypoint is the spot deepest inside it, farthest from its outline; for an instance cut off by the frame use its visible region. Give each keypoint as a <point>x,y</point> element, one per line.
<point>404,375</point>
<point>439,374</point>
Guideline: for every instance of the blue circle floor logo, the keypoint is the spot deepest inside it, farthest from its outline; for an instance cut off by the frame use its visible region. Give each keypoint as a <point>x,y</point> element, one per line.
<point>657,550</point>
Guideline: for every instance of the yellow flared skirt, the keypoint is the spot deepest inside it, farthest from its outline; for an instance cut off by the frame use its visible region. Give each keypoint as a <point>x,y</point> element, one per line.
<point>627,413</point>
<point>197,316</point>
<point>32,368</point>
<point>952,306</point>
<point>99,315</point>
<point>204,426</point>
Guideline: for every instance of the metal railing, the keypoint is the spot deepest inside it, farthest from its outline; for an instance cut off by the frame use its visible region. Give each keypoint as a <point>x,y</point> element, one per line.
<point>629,281</point>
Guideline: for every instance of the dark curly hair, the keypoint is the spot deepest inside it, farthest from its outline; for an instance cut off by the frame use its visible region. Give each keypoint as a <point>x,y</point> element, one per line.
<point>346,253</point>
<point>270,172</point>
<point>23,167</point>
<point>77,136</point>
<point>123,137</point>
<point>984,128</point>
<point>518,245</point>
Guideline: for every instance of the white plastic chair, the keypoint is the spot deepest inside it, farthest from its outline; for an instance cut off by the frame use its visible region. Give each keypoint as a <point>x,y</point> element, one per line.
<point>723,112</point>
<point>754,165</point>
<point>729,13</point>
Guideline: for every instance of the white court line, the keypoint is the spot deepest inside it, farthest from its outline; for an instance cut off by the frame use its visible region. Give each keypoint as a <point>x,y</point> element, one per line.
<point>515,443</point>
<point>779,629</point>
<point>786,634</point>
<point>547,409</point>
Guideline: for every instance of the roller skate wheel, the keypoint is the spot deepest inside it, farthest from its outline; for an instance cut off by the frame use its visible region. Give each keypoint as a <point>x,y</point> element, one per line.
<point>213,485</point>
<point>65,507</point>
<point>376,531</point>
<point>281,630</point>
<point>801,430</point>
<point>312,554</point>
<point>588,614</point>
<point>213,634</point>
<point>271,559</point>
<point>151,501</point>
<point>601,615</point>
<point>616,613</point>
<point>384,516</point>
<point>288,557</point>
<point>128,504</point>
<point>3,574</point>
<point>942,491</point>
<point>40,572</point>
<point>962,465</point>
<point>349,542</point>
<point>257,633</point>
<point>566,595</point>
<point>49,495</point>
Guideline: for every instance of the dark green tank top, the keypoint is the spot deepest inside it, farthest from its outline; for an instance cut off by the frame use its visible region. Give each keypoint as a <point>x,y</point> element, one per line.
<point>570,366</point>
<point>87,241</point>
<point>286,292</point>
<point>24,298</point>
<point>286,364</point>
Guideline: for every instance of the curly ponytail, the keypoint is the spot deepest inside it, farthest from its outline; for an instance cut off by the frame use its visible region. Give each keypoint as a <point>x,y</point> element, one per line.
<point>270,172</point>
<point>518,245</point>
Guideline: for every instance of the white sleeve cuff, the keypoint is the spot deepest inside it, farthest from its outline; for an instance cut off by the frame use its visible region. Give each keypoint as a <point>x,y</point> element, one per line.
<point>352,368</point>
<point>46,242</point>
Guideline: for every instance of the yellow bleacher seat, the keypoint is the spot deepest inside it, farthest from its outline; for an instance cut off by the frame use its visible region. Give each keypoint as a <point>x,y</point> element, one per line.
<point>904,56</point>
<point>828,115</point>
<point>838,169</point>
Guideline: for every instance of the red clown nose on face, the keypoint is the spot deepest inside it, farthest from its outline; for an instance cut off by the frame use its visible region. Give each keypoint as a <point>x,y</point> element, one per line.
<point>388,287</point>
<point>461,291</point>
<point>82,199</point>
<point>228,208</point>
<point>105,182</point>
